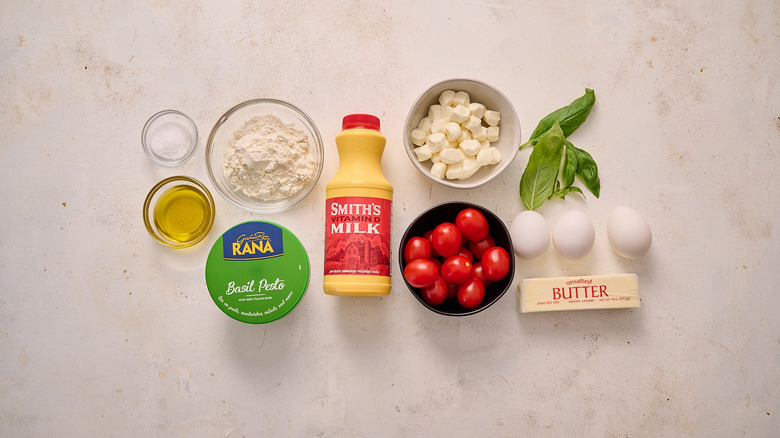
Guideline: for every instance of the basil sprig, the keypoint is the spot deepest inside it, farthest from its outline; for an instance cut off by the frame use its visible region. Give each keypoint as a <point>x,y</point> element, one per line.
<point>540,178</point>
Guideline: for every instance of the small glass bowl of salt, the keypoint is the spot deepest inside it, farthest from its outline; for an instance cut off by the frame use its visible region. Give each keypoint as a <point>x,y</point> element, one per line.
<point>169,138</point>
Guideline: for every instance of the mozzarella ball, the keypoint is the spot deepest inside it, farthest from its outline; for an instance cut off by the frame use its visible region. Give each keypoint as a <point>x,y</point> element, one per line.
<point>425,125</point>
<point>628,233</point>
<point>484,157</point>
<point>452,130</point>
<point>437,141</point>
<point>446,97</point>
<point>470,147</point>
<point>418,137</point>
<point>438,170</point>
<point>530,235</point>
<point>573,236</point>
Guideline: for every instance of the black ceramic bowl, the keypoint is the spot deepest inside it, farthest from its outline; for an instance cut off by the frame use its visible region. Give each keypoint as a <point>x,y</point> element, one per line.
<point>447,212</point>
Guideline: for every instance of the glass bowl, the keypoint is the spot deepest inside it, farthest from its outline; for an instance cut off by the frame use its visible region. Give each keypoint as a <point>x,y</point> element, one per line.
<point>179,212</point>
<point>509,138</point>
<point>447,212</point>
<point>232,131</point>
<point>169,138</point>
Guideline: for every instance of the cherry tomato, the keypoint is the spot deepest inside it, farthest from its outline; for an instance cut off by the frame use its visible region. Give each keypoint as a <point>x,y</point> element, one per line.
<point>446,239</point>
<point>477,273</point>
<point>417,248</point>
<point>478,247</point>
<point>456,270</point>
<point>429,235</point>
<point>452,290</point>
<point>435,293</point>
<point>466,253</point>
<point>495,263</point>
<point>471,293</point>
<point>436,262</point>
<point>472,224</point>
<point>421,272</point>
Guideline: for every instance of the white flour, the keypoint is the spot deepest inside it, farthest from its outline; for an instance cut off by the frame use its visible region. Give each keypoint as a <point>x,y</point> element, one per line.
<point>269,160</point>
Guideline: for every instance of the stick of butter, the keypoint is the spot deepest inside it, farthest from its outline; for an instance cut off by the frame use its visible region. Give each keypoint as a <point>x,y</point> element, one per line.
<point>578,293</point>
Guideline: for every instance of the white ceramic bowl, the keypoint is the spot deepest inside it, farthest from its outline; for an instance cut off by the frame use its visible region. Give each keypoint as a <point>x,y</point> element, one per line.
<point>224,132</point>
<point>509,138</point>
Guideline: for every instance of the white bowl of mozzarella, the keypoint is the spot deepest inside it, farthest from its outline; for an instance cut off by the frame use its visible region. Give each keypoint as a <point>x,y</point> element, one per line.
<point>461,133</point>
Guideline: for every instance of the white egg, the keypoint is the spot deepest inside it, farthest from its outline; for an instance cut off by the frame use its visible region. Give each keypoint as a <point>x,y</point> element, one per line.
<point>573,236</point>
<point>530,235</point>
<point>628,233</point>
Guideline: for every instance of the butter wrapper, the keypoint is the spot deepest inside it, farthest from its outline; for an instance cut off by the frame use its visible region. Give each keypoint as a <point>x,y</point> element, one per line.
<point>616,291</point>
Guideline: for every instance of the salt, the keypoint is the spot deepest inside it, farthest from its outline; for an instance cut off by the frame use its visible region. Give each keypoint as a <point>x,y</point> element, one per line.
<point>170,141</point>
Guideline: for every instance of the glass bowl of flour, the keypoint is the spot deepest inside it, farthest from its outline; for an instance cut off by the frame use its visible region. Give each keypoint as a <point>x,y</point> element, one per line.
<point>264,155</point>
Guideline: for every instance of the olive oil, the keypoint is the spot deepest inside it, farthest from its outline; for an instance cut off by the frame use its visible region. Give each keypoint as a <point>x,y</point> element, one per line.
<point>182,214</point>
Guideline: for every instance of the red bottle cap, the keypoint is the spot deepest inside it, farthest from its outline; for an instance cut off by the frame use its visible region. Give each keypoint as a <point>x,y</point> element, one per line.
<point>357,121</point>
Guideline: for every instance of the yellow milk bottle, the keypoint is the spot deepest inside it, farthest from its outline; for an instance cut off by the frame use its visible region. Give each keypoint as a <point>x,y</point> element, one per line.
<point>358,202</point>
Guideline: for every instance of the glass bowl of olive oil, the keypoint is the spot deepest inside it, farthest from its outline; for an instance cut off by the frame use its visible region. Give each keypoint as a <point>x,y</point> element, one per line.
<point>179,212</point>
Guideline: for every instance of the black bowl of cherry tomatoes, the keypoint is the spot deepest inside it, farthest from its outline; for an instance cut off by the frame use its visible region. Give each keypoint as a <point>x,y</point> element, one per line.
<point>456,258</point>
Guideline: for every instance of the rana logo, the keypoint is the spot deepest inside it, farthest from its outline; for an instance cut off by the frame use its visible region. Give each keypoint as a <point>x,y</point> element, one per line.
<point>252,241</point>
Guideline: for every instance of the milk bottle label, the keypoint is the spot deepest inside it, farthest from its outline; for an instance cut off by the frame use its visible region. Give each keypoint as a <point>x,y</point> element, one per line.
<point>357,236</point>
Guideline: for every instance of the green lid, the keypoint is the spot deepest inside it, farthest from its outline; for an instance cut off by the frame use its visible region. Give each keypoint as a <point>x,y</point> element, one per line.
<point>257,272</point>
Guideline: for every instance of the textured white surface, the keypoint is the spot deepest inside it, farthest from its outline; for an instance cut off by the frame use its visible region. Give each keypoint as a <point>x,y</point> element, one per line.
<point>103,332</point>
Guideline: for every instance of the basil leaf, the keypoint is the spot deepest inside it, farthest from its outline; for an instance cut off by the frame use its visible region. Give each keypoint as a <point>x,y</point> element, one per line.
<point>541,173</point>
<point>569,164</point>
<point>563,192</point>
<point>588,171</point>
<point>570,117</point>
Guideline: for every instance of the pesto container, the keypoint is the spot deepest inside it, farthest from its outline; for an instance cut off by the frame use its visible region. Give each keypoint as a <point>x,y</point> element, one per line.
<point>257,272</point>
